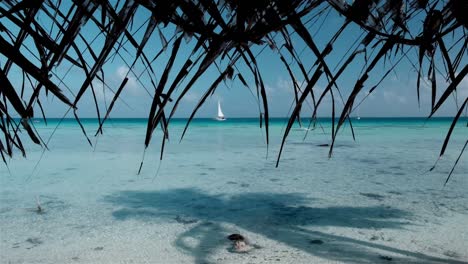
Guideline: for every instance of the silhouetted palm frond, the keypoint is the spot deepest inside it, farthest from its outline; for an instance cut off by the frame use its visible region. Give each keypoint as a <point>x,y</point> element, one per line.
<point>41,38</point>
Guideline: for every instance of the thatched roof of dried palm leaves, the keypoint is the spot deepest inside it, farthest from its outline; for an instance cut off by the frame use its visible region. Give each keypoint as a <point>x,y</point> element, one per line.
<point>37,36</point>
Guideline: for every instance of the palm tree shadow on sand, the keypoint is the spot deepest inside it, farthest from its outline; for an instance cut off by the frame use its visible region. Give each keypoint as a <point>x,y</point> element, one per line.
<point>279,217</point>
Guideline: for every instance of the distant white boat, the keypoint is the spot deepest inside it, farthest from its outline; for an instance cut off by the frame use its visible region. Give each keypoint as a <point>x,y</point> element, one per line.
<point>303,127</point>
<point>358,118</point>
<point>220,116</point>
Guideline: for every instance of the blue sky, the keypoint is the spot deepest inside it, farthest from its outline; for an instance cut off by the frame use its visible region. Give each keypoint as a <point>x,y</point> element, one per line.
<point>396,96</point>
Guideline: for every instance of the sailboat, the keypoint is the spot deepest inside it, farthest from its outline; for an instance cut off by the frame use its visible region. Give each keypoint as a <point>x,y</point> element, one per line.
<point>220,116</point>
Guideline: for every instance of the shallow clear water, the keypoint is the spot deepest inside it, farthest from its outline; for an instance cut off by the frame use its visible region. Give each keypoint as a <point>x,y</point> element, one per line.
<point>372,200</point>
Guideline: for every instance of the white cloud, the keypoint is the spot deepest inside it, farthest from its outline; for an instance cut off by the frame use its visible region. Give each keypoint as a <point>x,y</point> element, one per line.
<point>285,85</point>
<point>102,93</point>
<point>269,90</point>
<point>391,97</point>
<point>191,97</point>
<point>132,84</point>
<point>442,84</point>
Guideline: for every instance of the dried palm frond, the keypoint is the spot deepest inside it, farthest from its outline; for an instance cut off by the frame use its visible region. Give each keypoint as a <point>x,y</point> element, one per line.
<point>41,38</point>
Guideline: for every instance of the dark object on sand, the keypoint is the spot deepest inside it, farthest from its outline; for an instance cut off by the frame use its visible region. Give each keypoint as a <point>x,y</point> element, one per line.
<point>34,241</point>
<point>386,258</point>
<point>374,196</point>
<point>236,237</point>
<point>240,244</point>
<point>185,221</point>
<point>316,241</point>
<point>39,209</point>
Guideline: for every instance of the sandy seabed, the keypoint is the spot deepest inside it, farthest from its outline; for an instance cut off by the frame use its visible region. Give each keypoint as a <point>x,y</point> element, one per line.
<point>370,203</point>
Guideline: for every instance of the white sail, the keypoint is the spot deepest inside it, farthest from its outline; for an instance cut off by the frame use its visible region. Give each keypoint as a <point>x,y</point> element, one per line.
<point>220,112</point>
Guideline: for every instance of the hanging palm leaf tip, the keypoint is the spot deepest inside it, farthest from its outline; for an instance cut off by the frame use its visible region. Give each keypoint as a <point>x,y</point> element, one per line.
<point>221,35</point>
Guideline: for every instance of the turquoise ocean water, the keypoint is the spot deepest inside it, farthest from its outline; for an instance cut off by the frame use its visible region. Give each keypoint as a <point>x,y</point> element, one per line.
<point>373,198</point>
